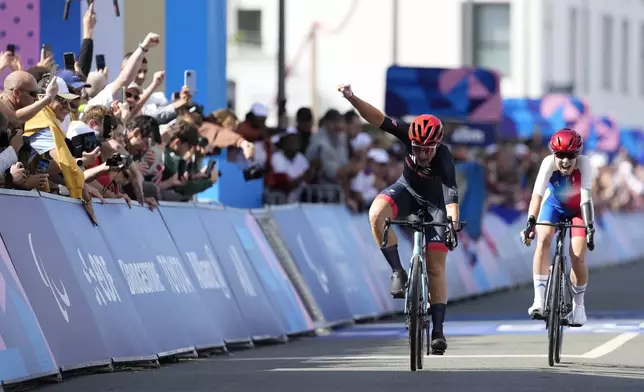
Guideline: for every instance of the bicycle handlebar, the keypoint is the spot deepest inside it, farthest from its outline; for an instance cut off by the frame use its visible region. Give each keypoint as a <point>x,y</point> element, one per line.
<point>561,225</point>
<point>419,226</point>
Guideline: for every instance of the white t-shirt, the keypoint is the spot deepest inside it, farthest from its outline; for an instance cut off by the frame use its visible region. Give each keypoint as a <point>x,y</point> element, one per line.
<point>104,98</point>
<point>365,185</point>
<point>293,169</point>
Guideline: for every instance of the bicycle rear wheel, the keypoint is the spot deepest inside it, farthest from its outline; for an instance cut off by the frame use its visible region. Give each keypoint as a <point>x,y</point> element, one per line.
<point>554,319</point>
<point>415,330</point>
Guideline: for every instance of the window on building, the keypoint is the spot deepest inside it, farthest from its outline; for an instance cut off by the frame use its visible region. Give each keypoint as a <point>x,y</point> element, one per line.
<point>249,27</point>
<point>641,60</point>
<point>585,47</point>
<point>625,66</point>
<point>491,46</point>
<point>607,53</point>
<point>572,46</point>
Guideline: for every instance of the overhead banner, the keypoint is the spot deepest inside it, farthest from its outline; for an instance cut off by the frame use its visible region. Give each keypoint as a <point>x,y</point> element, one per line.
<point>205,268</point>
<point>256,308</point>
<point>100,280</point>
<point>50,283</point>
<point>281,292</point>
<point>468,95</point>
<point>24,352</point>
<point>312,263</point>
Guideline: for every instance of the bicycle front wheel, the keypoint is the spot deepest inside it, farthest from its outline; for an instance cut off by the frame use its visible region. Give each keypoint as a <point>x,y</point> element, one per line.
<point>554,318</point>
<point>415,330</point>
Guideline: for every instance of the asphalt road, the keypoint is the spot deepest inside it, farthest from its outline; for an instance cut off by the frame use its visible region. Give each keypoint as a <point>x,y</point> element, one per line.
<point>492,347</point>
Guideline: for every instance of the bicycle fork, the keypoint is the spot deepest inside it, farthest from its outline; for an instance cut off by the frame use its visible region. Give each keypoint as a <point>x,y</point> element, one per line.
<point>419,246</point>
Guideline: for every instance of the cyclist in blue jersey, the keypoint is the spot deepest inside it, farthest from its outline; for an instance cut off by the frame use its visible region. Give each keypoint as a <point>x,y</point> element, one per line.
<point>562,190</point>
<point>428,182</point>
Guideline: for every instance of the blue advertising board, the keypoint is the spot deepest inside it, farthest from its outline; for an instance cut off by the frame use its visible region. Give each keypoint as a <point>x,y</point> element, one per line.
<point>149,289</point>
<point>24,352</point>
<point>195,247</point>
<point>341,253</point>
<point>312,263</point>
<point>50,283</point>
<point>100,280</point>
<point>272,276</point>
<point>256,309</point>
<point>201,327</point>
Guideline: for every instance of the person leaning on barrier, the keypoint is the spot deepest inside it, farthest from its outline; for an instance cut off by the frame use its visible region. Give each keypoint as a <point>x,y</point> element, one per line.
<point>88,139</point>
<point>177,183</point>
<point>48,141</point>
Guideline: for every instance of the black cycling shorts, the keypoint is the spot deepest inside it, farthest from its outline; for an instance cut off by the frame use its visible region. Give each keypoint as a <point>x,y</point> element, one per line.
<point>403,204</point>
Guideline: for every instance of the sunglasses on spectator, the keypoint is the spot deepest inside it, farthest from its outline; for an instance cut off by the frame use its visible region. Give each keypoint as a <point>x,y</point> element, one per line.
<point>136,97</point>
<point>564,155</point>
<point>32,93</point>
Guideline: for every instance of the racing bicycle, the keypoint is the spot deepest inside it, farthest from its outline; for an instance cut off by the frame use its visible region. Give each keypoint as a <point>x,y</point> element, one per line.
<point>559,292</point>
<point>417,306</point>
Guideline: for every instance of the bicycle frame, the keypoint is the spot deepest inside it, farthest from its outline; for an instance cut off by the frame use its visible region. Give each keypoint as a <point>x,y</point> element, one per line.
<point>419,257</point>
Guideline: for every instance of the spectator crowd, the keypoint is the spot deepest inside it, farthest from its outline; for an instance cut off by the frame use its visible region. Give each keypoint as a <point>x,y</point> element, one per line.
<point>74,132</point>
<point>81,133</point>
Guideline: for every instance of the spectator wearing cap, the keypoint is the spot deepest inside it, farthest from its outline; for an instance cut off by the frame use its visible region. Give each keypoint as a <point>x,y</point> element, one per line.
<point>253,129</point>
<point>330,146</point>
<point>48,138</point>
<point>290,167</point>
<point>76,85</point>
<point>304,126</point>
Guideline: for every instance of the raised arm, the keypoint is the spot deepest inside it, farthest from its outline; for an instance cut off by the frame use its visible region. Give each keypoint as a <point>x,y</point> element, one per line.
<point>372,115</point>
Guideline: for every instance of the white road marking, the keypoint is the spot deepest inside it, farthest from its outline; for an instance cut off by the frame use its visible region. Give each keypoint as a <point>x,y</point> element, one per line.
<point>611,345</point>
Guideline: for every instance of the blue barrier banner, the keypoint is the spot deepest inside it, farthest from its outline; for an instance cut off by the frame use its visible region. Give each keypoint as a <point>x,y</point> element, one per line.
<point>50,283</point>
<point>371,268</point>
<point>100,280</point>
<point>276,283</point>
<point>202,328</point>
<point>256,309</point>
<point>312,263</point>
<point>341,252</point>
<point>382,272</point>
<point>151,293</point>
<point>190,238</point>
<point>24,352</point>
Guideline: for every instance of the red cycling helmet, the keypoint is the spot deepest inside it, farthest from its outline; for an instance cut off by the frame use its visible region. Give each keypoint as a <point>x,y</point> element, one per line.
<point>426,129</point>
<point>566,140</point>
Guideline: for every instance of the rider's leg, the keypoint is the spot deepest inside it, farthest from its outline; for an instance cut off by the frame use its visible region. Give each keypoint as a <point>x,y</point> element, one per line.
<point>386,206</point>
<point>436,256</point>
<point>540,262</point>
<point>579,275</point>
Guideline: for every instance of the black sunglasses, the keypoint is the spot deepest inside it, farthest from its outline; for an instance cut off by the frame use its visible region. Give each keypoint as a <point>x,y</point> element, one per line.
<point>564,155</point>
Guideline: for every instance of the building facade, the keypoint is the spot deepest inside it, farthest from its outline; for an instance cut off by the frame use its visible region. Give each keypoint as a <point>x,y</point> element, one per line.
<point>591,48</point>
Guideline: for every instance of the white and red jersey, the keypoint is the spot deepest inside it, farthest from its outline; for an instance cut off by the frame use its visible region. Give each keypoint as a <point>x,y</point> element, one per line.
<point>564,191</point>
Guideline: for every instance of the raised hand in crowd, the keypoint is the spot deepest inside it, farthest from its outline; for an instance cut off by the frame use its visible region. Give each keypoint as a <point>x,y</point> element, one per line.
<point>51,91</point>
<point>6,60</point>
<point>158,79</point>
<point>45,60</point>
<point>121,110</point>
<point>16,64</point>
<point>89,22</point>
<point>150,41</point>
